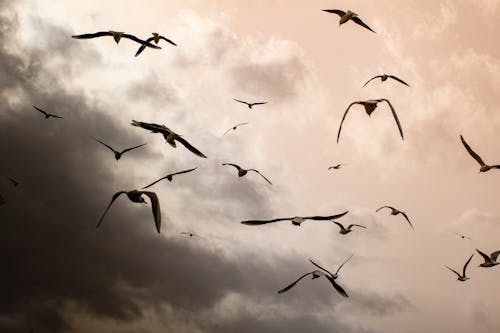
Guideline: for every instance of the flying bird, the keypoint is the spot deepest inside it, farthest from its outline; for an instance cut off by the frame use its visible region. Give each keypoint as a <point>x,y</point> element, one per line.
<point>250,105</point>
<point>370,106</point>
<point>169,135</point>
<point>484,166</point>
<point>136,196</point>
<point>344,17</point>
<point>462,236</point>
<point>347,230</point>
<point>156,38</point>
<point>118,154</point>
<point>297,220</point>
<point>336,275</point>
<point>395,211</point>
<point>190,234</point>
<point>13,181</point>
<point>117,36</point>
<point>336,167</point>
<point>48,115</point>
<point>489,260</point>
<point>170,176</point>
<point>242,172</point>
<point>235,127</point>
<point>384,77</point>
<point>2,200</point>
<point>461,277</point>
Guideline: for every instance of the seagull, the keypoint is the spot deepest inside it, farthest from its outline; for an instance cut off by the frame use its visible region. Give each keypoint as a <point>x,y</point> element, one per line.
<point>297,220</point>
<point>118,154</point>
<point>370,106</point>
<point>395,211</point>
<point>189,233</point>
<point>235,127</point>
<point>484,166</point>
<point>169,135</point>
<point>489,261</point>
<point>461,277</point>
<point>13,181</point>
<point>48,115</point>
<point>242,172</point>
<point>344,17</point>
<point>384,77</point>
<point>250,105</point>
<point>117,36</point>
<point>336,167</point>
<point>156,38</point>
<point>2,200</point>
<point>136,196</point>
<point>170,177</point>
<point>347,230</point>
<point>463,236</point>
<point>336,275</point>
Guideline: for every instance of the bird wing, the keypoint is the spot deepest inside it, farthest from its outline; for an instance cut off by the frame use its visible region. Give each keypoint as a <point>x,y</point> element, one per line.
<point>467,263</point>
<point>156,181</point>
<point>258,103</point>
<point>395,116</point>
<point>168,40</point>
<point>155,206</point>
<point>115,196</point>
<point>385,207</point>
<point>93,35</point>
<point>143,47</point>
<point>361,23</point>
<point>259,222</point>
<point>132,148</point>
<point>111,148</point>
<point>237,100</point>
<point>355,225</point>
<point>343,118</point>
<point>237,125</point>
<point>181,172</point>
<point>317,265</point>
<point>323,218</point>
<point>338,269</point>
<point>155,128</point>
<point>337,287</point>
<point>335,11</point>
<point>267,180</point>
<point>290,286</point>
<point>189,147</point>
<point>40,110</point>
<point>373,78</point>
<point>233,165</point>
<point>454,271</point>
<point>471,152</point>
<point>55,116</point>
<point>140,41</point>
<point>484,255</point>
<point>399,80</point>
<point>339,224</point>
<point>13,181</point>
<point>494,255</point>
<point>407,219</point>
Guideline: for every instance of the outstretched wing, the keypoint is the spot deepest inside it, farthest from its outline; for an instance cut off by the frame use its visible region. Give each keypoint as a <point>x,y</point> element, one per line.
<point>467,263</point>
<point>94,35</point>
<point>168,40</point>
<point>233,165</point>
<point>169,175</point>
<point>324,269</point>
<point>155,128</point>
<point>290,286</point>
<point>258,103</point>
<point>109,147</point>
<point>140,41</point>
<point>407,219</point>
<point>155,207</point>
<point>132,148</point>
<point>385,207</point>
<point>471,152</point>
<point>234,127</point>
<point>399,80</point>
<point>343,118</point>
<point>373,78</point>
<point>267,180</point>
<point>485,256</point>
<point>40,110</point>
<point>335,11</point>
<point>55,116</point>
<point>115,196</point>
<point>494,255</point>
<point>357,20</point>
<point>189,147</point>
<point>355,225</point>
<point>259,222</point>
<point>395,116</point>
<point>337,287</point>
<point>339,224</point>
<point>338,269</point>
<point>323,218</point>
<point>237,100</point>
<point>143,47</point>
<point>181,172</point>
<point>454,271</point>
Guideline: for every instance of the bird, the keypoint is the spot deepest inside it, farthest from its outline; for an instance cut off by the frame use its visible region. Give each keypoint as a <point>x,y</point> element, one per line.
<point>48,115</point>
<point>234,127</point>
<point>370,106</point>
<point>462,277</point>
<point>462,236</point>
<point>395,211</point>
<point>14,182</point>
<point>489,261</point>
<point>117,36</point>
<point>190,234</point>
<point>336,167</point>
<point>297,220</point>
<point>242,172</point>
<point>384,77</point>
<point>2,200</point>
<point>169,177</point>
<point>347,230</point>
<point>346,16</point>
<point>169,135</point>
<point>336,275</point>
<point>484,166</point>
<point>250,105</point>
<point>118,154</point>
<point>156,38</point>
<point>136,196</point>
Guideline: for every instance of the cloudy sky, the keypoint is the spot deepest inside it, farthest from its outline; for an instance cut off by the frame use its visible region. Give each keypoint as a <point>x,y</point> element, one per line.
<point>61,274</point>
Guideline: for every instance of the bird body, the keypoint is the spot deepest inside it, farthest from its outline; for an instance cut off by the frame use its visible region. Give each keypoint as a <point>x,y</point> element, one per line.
<point>235,127</point>
<point>348,16</point>
<point>384,78</point>
<point>250,105</point>
<point>489,260</point>
<point>242,172</point>
<point>347,230</point>
<point>296,220</point>
<point>484,167</point>
<point>46,114</point>
<point>462,277</point>
<point>395,211</point>
<point>118,154</point>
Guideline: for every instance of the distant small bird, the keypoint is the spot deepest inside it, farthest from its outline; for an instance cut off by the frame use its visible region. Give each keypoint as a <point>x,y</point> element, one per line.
<point>48,115</point>
<point>250,105</point>
<point>117,36</point>
<point>461,277</point>
<point>13,181</point>
<point>234,127</point>
<point>189,233</point>
<point>169,177</point>
<point>395,211</point>
<point>370,106</point>
<point>336,167</point>
<point>463,236</point>
<point>156,38</point>
<point>118,154</point>
<point>489,260</point>
<point>242,172</point>
<point>384,77</point>
<point>347,230</point>
<point>136,196</point>
<point>2,200</point>
<point>169,135</point>
<point>484,166</point>
<point>297,220</point>
<point>344,17</point>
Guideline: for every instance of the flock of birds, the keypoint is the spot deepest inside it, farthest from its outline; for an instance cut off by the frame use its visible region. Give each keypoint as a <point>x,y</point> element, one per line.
<point>172,138</point>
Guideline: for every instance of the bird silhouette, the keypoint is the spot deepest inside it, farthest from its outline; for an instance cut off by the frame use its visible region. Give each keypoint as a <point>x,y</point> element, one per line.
<point>462,236</point>
<point>336,167</point>
<point>462,277</point>
<point>489,260</point>
<point>250,105</point>
<point>156,38</point>
<point>370,106</point>
<point>118,154</point>
<point>170,176</point>
<point>347,230</point>
<point>117,36</point>
<point>297,220</point>
<point>190,234</point>
<point>484,167</point>
<point>2,200</point>
<point>395,211</point>
<point>384,77</point>
<point>48,115</point>
<point>234,127</point>
<point>14,182</point>
<point>346,16</point>
<point>242,172</point>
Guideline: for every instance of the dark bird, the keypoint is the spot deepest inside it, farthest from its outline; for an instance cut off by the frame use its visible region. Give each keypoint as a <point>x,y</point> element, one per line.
<point>2,200</point>
<point>13,181</point>
<point>336,167</point>
<point>484,166</point>
<point>235,127</point>
<point>156,38</point>
<point>461,277</point>
<point>117,36</point>
<point>384,77</point>
<point>395,211</point>
<point>370,106</point>
<point>336,275</point>
<point>169,177</point>
<point>344,17</point>
<point>48,115</point>
<point>169,135</point>
<point>242,172</point>
<point>347,230</point>
<point>250,105</point>
<point>297,220</point>
<point>489,260</point>
<point>462,236</point>
<point>118,154</point>
<point>136,196</point>
<point>190,234</point>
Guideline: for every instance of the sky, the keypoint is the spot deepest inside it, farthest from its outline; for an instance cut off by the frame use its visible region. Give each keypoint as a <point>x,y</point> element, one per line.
<point>61,274</point>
